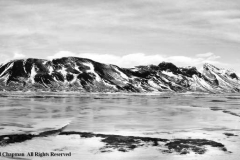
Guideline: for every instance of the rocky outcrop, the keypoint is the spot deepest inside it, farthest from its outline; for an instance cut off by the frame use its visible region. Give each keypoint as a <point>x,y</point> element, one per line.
<point>85,75</point>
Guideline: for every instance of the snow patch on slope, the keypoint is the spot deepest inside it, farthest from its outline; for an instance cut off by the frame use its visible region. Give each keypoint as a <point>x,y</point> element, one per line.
<point>202,83</point>
<point>91,70</point>
<point>50,69</point>
<point>63,71</point>
<point>153,84</point>
<point>121,73</point>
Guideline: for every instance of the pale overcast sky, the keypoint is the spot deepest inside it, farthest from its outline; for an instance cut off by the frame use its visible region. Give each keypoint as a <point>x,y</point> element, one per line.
<point>123,32</point>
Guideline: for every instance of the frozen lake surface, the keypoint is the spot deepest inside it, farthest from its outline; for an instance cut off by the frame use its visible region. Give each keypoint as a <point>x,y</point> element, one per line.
<point>213,117</point>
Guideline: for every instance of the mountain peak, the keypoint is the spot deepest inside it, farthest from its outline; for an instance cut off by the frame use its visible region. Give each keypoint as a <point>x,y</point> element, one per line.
<point>210,66</point>
<point>163,66</point>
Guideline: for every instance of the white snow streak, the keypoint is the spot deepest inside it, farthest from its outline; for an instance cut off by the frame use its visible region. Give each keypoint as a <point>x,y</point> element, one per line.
<point>169,74</point>
<point>9,66</point>
<point>33,73</point>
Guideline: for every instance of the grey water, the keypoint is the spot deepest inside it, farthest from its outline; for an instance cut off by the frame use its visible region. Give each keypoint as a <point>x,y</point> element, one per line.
<point>136,113</point>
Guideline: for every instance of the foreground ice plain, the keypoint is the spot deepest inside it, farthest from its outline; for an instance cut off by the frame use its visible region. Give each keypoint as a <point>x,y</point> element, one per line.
<point>168,116</point>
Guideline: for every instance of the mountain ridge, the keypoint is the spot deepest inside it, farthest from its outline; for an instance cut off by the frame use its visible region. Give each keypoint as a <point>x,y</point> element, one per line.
<point>86,75</point>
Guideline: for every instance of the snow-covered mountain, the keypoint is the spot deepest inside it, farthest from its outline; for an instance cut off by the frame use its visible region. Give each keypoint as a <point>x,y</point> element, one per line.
<point>85,75</point>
